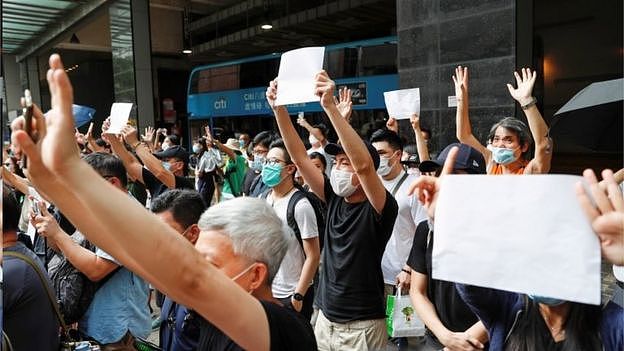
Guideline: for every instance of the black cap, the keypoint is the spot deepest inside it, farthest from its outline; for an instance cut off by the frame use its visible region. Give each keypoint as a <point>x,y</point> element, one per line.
<point>175,151</point>
<point>468,159</point>
<point>336,149</point>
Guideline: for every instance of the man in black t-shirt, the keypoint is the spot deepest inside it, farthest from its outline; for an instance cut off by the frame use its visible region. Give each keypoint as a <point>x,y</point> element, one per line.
<point>450,323</point>
<point>27,310</point>
<point>360,217</point>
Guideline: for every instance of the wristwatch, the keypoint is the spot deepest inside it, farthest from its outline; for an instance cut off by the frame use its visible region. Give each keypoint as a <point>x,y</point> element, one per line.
<point>297,296</point>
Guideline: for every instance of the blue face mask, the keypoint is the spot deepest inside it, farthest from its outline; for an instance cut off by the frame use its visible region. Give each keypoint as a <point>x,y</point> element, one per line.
<point>241,143</point>
<point>502,155</point>
<point>257,163</point>
<point>166,165</point>
<point>548,301</point>
<point>272,174</point>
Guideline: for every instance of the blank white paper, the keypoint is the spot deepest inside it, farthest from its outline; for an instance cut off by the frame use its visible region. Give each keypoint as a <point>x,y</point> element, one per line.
<point>296,75</point>
<point>120,112</point>
<point>525,234</point>
<point>402,104</point>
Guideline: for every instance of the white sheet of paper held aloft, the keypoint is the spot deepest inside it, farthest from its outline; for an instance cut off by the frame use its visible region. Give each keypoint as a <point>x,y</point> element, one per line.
<point>295,80</point>
<point>120,112</point>
<point>525,234</point>
<point>402,104</point>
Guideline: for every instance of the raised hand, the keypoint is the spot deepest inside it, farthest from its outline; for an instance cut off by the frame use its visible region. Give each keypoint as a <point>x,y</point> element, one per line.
<point>271,94</point>
<point>130,135</point>
<point>80,138</point>
<point>344,103</point>
<point>44,222</point>
<point>392,124</point>
<point>460,79</point>
<point>427,188</point>
<point>415,121</point>
<point>148,137</point>
<point>325,88</point>
<point>302,122</point>
<point>524,91</point>
<point>55,152</point>
<point>607,216</point>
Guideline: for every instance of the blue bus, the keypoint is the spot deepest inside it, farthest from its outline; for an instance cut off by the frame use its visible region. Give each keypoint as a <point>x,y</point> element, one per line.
<point>230,96</point>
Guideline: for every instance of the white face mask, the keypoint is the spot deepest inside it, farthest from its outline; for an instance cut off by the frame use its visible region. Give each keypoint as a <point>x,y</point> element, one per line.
<point>312,139</point>
<point>165,146</point>
<point>341,182</point>
<point>384,166</point>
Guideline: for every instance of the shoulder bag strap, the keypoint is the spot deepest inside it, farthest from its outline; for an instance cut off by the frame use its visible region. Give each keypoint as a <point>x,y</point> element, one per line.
<point>398,185</point>
<point>44,283</point>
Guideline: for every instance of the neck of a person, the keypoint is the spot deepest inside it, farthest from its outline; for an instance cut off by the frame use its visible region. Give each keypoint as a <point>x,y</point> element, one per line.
<point>264,293</point>
<point>283,188</point>
<point>9,238</point>
<point>394,172</point>
<point>513,166</point>
<point>358,196</point>
<point>555,318</point>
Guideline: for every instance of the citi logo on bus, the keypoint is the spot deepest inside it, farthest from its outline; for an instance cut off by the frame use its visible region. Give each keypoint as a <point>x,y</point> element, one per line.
<point>220,104</point>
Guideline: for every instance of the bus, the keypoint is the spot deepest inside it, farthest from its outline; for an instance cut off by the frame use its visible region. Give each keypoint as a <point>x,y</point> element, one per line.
<point>230,96</point>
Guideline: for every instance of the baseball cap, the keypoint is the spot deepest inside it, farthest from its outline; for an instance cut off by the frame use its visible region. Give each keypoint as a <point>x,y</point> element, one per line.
<point>175,151</point>
<point>468,159</point>
<point>336,149</point>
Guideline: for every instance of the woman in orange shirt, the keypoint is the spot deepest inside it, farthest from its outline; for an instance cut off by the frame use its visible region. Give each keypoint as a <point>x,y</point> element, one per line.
<point>509,139</point>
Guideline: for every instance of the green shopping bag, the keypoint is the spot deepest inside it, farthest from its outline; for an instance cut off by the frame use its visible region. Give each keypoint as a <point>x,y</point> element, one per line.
<point>401,318</point>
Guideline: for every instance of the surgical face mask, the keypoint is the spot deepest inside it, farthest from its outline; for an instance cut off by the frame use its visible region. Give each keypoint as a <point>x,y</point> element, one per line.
<point>384,166</point>
<point>165,146</point>
<point>196,149</point>
<point>502,155</point>
<point>241,143</point>
<point>258,161</point>
<point>243,272</point>
<point>312,139</point>
<point>341,182</point>
<point>272,174</point>
<point>167,166</point>
<point>548,301</point>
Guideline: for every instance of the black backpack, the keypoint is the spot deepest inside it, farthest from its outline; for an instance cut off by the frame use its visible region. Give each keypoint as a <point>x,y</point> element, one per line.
<point>74,290</point>
<point>319,207</point>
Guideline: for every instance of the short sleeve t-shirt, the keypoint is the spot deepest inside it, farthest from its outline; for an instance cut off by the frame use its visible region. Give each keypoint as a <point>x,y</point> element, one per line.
<point>287,277</point>
<point>451,309</point>
<point>27,310</point>
<point>234,174</point>
<point>288,331</point>
<point>156,187</point>
<point>351,284</point>
<point>411,212</point>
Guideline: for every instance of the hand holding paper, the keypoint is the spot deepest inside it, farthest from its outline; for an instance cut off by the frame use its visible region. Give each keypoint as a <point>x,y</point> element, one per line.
<point>120,112</point>
<point>297,71</point>
<point>401,104</point>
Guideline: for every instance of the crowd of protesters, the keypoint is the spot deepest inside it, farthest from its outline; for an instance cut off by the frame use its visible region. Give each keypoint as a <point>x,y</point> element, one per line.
<point>263,243</point>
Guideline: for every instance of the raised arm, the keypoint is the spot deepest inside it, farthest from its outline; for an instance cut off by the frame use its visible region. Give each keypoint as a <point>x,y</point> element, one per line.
<point>353,145</point>
<point>132,165</point>
<point>17,182</point>
<point>312,175</point>
<point>151,162</point>
<point>421,143</point>
<point>313,131</point>
<point>213,141</point>
<point>464,129</point>
<point>77,189</point>
<point>539,130</point>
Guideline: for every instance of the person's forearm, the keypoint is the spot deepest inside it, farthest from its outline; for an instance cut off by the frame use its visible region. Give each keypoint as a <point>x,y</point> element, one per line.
<point>421,145</point>
<point>308,271</point>
<point>83,259</point>
<point>19,183</point>
<point>464,129</point>
<point>192,281</point>
<point>120,150</point>
<point>427,313</point>
<point>539,131</point>
<point>619,176</point>
<point>350,140</point>
<point>292,141</point>
<point>150,161</point>
<point>226,150</point>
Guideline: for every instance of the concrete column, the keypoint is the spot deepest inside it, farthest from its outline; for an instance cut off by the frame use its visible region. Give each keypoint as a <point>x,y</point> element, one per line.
<point>33,78</point>
<point>435,36</point>
<point>143,63</point>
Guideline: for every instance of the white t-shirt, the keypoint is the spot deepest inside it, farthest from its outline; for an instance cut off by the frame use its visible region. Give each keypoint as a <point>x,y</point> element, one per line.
<point>410,214</point>
<point>287,276</point>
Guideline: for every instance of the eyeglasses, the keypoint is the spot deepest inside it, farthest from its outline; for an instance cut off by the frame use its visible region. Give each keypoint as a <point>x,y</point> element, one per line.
<point>274,161</point>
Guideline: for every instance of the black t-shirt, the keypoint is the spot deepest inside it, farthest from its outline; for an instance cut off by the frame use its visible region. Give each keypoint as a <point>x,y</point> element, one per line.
<point>29,319</point>
<point>351,283</point>
<point>288,329</point>
<point>156,187</point>
<point>451,309</point>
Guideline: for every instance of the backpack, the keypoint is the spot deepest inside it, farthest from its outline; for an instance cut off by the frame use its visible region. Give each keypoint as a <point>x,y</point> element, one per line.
<point>319,207</point>
<point>74,290</point>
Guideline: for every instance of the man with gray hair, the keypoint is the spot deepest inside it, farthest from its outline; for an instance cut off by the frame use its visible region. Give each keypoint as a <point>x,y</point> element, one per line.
<point>251,256</point>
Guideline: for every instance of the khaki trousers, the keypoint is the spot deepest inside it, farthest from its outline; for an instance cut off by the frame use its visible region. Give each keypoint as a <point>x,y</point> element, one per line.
<point>366,335</point>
